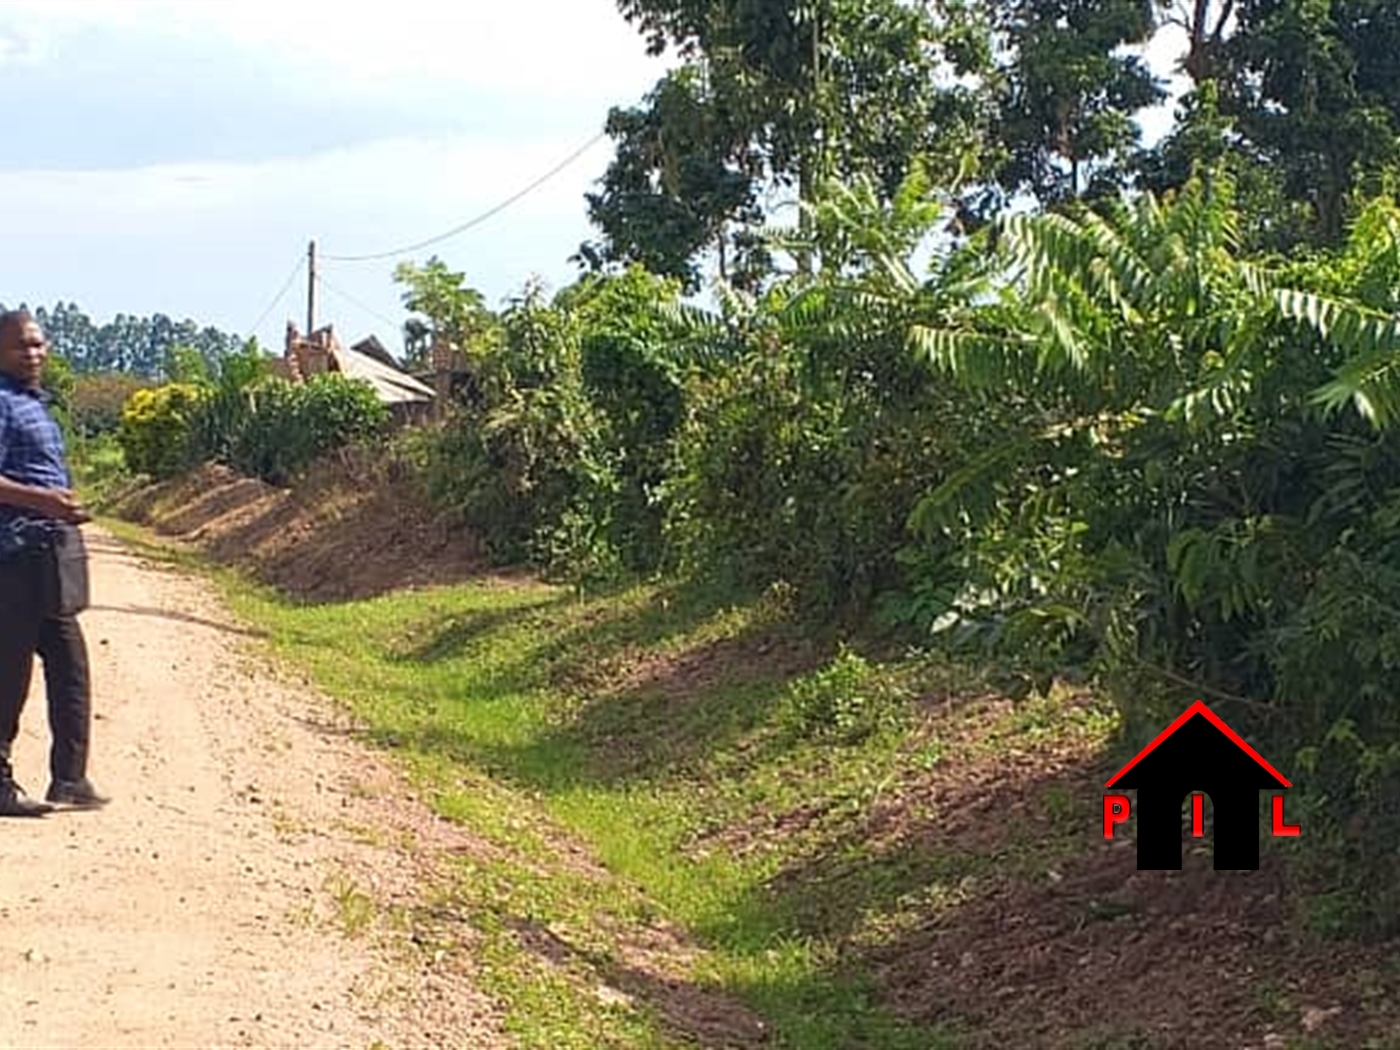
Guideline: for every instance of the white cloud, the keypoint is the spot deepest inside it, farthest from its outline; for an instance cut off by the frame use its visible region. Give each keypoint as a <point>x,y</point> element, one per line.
<point>16,48</point>
<point>215,241</point>
<point>1162,54</point>
<point>428,182</point>
<point>509,46</point>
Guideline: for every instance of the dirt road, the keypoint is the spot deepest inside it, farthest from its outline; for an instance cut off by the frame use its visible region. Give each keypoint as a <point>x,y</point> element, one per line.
<point>241,889</point>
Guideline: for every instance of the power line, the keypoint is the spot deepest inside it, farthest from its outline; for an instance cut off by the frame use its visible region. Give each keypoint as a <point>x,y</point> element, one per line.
<point>356,302</point>
<point>279,297</point>
<point>480,218</point>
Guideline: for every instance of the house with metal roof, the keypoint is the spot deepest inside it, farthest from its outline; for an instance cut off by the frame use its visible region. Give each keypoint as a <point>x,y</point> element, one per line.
<point>320,352</point>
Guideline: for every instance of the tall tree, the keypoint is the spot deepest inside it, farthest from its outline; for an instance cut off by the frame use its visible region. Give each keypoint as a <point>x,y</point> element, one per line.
<point>448,309</point>
<point>1206,24</point>
<point>682,173</point>
<point>136,345</point>
<point>1070,94</point>
<point>1315,86</point>
<point>776,95</point>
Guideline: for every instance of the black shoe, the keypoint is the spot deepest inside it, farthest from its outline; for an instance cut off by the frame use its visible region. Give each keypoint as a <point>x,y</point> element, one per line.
<point>15,803</point>
<point>76,794</point>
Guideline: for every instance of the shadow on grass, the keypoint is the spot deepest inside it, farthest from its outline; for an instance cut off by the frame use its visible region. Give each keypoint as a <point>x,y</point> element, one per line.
<point>675,712</point>
<point>453,634</point>
<point>178,617</point>
<point>668,721</point>
<point>638,684</point>
<point>576,635</point>
<point>345,531</point>
<point>705,1016</point>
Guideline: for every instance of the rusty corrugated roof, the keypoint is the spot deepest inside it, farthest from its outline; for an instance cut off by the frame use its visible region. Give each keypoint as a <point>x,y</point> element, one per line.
<point>391,384</point>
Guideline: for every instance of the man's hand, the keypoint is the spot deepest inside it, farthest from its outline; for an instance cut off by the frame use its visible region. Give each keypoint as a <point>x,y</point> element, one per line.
<point>61,504</point>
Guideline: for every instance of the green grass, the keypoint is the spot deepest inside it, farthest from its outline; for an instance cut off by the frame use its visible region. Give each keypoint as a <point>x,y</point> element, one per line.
<point>99,468</point>
<point>168,553</point>
<point>354,909</point>
<point>724,796</point>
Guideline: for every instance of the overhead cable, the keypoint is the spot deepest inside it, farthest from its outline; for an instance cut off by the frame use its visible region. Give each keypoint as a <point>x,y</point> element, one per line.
<point>371,311</point>
<point>479,219</point>
<point>278,298</point>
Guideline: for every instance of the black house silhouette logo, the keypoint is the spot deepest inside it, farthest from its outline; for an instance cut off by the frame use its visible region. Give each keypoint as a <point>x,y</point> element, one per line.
<point>1200,755</point>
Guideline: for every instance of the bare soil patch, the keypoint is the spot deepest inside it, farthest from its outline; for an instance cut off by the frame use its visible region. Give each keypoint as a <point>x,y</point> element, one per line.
<point>1061,936</point>
<point>352,529</point>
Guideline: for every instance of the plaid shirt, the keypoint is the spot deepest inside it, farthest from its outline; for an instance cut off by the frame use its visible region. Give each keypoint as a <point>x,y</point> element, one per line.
<point>31,453</point>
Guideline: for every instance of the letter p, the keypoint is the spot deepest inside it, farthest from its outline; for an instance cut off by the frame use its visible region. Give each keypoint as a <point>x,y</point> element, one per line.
<point>1115,811</point>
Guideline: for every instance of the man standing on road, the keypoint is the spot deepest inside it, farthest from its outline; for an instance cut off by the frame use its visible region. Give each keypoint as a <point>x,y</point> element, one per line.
<point>43,577</point>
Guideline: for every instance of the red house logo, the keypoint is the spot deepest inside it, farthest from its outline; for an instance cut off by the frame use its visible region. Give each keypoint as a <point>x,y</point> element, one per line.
<point>1199,755</point>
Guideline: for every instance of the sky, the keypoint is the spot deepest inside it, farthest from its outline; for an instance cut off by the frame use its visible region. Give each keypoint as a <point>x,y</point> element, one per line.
<point>177,156</point>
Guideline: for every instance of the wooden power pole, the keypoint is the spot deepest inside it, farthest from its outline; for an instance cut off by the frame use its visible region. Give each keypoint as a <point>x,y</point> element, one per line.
<point>310,289</point>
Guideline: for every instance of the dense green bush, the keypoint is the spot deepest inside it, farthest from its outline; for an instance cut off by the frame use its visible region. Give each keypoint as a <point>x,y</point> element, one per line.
<point>59,382</point>
<point>278,428</point>
<point>781,479</point>
<point>527,467</point>
<point>226,410</point>
<point>560,455</point>
<point>803,455</point>
<point>155,429</point>
<point>1196,509</point>
<point>266,428</point>
<point>633,360</point>
<point>99,467</point>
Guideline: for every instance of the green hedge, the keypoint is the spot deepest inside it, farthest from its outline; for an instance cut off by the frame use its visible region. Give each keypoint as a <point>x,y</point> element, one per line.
<point>269,429</point>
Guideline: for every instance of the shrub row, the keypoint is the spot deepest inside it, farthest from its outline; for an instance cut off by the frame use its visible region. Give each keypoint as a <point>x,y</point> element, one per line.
<point>265,427</point>
<point>1104,444</point>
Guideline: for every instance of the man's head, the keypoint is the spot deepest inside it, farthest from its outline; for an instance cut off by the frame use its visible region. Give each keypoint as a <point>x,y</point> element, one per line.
<point>23,347</point>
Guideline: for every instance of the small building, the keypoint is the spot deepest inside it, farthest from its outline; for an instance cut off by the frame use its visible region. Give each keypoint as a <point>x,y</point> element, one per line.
<point>409,400</point>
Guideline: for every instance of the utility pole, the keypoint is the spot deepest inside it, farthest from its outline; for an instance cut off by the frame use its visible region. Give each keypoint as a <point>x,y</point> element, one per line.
<point>310,289</point>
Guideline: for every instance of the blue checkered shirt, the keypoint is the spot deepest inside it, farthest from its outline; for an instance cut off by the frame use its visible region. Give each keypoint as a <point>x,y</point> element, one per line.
<point>31,453</point>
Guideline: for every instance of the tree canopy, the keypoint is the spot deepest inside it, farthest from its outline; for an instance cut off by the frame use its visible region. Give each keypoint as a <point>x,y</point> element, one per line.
<point>139,346</point>
<point>1001,100</point>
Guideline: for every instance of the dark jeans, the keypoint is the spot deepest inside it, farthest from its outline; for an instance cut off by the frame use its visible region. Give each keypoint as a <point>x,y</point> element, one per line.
<point>25,631</point>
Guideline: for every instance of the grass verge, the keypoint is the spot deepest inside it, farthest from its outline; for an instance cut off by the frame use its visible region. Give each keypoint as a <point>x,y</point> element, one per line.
<point>690,809</point>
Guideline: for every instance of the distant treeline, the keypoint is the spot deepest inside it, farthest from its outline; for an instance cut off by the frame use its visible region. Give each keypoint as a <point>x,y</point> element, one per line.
<point>138,346</point>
